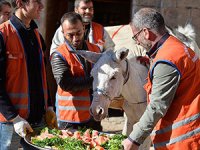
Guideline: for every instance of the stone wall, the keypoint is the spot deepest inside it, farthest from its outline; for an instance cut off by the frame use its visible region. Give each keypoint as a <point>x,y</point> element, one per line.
<point>175,12</point>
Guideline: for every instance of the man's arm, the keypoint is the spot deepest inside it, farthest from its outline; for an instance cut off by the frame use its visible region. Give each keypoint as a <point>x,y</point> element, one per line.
<point>57,40</point>
<point>109,44</point>
<point>64,77</point>
<point>165,82</point>
<point>6,107</point>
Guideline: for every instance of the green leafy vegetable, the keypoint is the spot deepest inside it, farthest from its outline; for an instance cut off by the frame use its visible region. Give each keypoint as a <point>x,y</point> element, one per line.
<point>70,143</point>
<point>60,144</point>
<point>115,142</point>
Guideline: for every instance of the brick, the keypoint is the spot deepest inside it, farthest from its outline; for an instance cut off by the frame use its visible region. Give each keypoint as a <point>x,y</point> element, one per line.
<point>175,16</point>
<point>195,15</point>
<point>188,3</point>
<point>168,4</point>
<point>147,3</point>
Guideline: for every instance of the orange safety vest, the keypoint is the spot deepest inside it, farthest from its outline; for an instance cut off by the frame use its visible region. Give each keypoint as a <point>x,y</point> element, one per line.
<point>179,129</point>
<point>16,70</point>
<point>98,32</point>
<point>73,106</point>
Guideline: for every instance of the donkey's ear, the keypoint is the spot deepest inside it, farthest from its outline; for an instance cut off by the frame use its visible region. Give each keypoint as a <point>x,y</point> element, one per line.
<point>92,57</point>
<point>120,54</point>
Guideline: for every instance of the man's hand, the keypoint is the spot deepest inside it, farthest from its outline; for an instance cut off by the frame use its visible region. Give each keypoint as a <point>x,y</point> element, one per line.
<point>128,145</point>
<point>21,126</point>
<point>50,118</point>
<point>143,60</point>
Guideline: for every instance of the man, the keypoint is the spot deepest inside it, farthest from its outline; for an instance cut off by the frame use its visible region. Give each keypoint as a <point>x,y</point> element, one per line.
<point>94,32</point>
<point>23,88</point>
<point>5,11</point>
<point>172,115</point>
<point>72,74</point>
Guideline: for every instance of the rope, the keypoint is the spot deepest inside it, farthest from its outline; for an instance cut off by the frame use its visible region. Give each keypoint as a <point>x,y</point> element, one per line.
<point>117,31</point>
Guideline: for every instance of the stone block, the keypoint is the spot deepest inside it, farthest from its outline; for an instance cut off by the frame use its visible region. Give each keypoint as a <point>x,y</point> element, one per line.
<point>195,15</point>
<point>175,16</point>
<point>147,3</point>
<point>188,3</point>
<point>168,4</point>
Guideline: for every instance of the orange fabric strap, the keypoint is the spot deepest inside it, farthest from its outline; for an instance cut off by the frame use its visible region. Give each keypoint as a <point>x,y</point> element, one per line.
<point>117,31</point>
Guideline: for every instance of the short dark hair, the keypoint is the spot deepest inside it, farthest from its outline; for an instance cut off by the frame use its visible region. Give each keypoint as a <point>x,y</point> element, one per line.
<point>77,2</point>
<point>3,2</point>
<point>14,4</point>
<point>72,17</point>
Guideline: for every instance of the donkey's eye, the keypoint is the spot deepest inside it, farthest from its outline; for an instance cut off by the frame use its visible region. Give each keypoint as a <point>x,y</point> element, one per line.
<point>113,78</point>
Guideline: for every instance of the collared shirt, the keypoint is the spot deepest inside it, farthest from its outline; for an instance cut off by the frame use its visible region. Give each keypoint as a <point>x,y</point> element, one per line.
<point>164,84</point>
<point>31,47</point>
<point>153,51</point>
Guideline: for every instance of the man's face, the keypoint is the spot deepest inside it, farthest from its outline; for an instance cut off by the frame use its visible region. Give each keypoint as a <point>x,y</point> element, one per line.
<point>5,13</point>
<point>139,38</point>
<point>33,8</point>
<point>73,33</point>
<point>86,10</point>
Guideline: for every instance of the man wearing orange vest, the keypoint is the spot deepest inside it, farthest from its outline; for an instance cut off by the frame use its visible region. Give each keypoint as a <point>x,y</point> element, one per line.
<point>5,11</point>
<point>172,116</point>
<point>23,89</point>
<point>94,32</point>
<point>72,74</point>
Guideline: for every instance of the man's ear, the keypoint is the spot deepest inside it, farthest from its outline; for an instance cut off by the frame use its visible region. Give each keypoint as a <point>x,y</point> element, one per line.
<point>75,10</point>
<point>20,3</point>
<point>83,27</point>
<point>146,33</point>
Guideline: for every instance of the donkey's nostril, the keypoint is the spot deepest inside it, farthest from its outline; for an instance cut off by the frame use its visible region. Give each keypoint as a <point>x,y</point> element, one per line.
<point>100,111</point>
<point>91,111</point>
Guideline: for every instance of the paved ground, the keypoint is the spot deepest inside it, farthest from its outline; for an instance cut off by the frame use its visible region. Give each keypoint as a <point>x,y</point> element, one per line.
<point>113,124</point>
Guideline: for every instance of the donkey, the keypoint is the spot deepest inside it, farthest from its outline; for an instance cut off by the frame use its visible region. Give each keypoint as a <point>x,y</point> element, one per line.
<point>116,74</point>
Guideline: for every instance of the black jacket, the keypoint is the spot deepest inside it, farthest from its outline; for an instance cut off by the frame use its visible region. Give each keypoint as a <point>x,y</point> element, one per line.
<point>65,79</point>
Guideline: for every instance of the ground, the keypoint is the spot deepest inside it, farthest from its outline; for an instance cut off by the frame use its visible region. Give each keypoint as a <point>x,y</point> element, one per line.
<point>113,124</point>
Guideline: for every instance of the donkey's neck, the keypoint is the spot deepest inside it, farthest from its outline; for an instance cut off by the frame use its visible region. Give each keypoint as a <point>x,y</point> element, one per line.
<point>133,90</point>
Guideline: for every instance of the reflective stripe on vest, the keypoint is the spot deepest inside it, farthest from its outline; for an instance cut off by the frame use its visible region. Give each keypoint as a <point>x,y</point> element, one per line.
<point>21,106</point>
<point>176,125</point>
<point>18,95</point>
<point>72,108</point>
<point>177,139</point>
<point>73,98</point>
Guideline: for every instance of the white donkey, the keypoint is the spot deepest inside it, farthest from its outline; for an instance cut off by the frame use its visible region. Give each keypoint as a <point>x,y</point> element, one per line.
<point>116,74</point>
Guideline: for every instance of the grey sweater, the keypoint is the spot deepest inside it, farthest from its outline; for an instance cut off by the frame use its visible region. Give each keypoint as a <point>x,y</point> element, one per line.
<point>164,84</point>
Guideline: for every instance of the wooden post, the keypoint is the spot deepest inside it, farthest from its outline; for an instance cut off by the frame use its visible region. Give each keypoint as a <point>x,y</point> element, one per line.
<point>54,10</point>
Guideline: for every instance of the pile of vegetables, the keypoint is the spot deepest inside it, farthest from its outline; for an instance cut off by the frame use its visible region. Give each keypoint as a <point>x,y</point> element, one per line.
<point>79,140</point>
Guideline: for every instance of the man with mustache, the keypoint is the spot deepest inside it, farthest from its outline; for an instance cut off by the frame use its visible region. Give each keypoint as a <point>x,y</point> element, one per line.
<point>72,74</point>
<point>5,11</point>
<point>94,32</point>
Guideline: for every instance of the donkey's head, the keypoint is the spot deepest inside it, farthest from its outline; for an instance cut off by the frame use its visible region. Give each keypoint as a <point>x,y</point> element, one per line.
<point>108,79</point>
